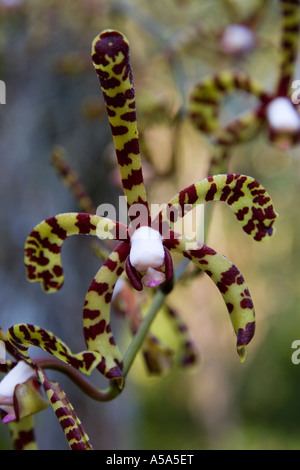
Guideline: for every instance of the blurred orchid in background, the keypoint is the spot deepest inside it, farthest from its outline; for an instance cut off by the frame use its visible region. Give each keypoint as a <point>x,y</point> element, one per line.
<point>275,110</point>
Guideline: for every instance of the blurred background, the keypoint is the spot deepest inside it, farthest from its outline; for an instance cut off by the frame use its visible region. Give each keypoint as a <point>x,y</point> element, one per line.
<point>53,98</point>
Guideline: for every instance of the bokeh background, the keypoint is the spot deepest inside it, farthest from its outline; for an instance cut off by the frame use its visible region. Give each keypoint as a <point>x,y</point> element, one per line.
<point>53,98</point>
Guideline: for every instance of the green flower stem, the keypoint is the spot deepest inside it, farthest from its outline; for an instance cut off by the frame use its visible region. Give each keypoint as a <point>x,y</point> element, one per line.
<point>143,330</point>
<point>85,385</point>
<point>113,390</point>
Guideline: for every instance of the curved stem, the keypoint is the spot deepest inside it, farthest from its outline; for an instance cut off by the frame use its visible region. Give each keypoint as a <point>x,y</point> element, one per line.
<point>85,385</point>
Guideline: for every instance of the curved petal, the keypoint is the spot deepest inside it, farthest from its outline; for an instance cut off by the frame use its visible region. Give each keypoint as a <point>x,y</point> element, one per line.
<point>64,411</point>
<point>248,200</point>
<point>231,285</point>
<point>6,365</point>
<point>24,335</point>
<point>43,245</point>
<point>207,95</point>
<point>158,357</point>
<point>72,180</point>
<point>96,312</point>
<point>240,130</point>
<point>290,13</point>
<point>188,352</point>
<point>110,55</point>
<point>22,434</point>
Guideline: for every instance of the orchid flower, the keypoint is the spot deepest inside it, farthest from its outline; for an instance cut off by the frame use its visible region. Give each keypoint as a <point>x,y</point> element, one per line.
<point>158,357</point>
<point>21,398</point>
<point>144,251</point>
<point>235,40</point>
<point>276,109</point>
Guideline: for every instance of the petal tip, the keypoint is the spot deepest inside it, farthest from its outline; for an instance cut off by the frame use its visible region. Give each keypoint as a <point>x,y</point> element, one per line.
<point>242,352</point>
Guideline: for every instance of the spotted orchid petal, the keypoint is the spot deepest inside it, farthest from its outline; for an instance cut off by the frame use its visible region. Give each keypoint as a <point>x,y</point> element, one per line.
<point>44,243</point>
<point>208,94</point>
<point>158,357</point>
<point>72,180</point>
<point>249,201</point>
<point>187,350</point>
<point>96,312</point>
<point>8,364</point>
<point>22,336</point>
<point>22,434</point>
<point>64,411</point>
<point>110,55</point>
<point>231,285</point>
<point>290,12</point>
<point>239,130</point>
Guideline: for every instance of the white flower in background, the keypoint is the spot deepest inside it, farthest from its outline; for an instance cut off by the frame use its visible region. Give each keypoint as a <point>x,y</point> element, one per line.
<point>237,39</point>
<point>284,122</point>
<point>282,115</point>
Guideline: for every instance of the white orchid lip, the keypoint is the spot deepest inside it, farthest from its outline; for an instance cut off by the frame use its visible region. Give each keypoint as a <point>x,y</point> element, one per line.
<point>147,249</point>
<point>282,115</point>
<point>146,258</point>
<point>236,39</point>
<point>18,375</point>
